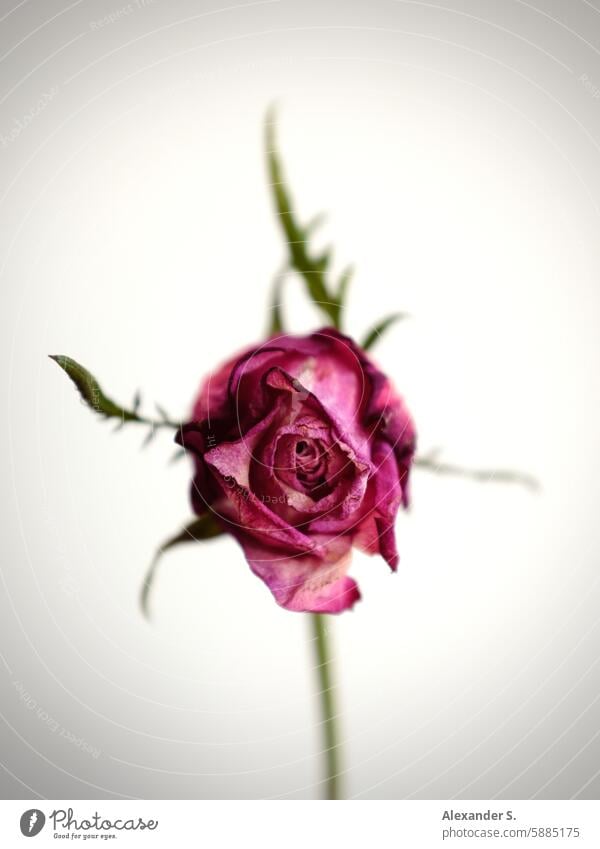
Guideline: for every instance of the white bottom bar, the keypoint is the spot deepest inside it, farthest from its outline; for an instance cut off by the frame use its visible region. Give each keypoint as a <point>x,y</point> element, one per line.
<point>302,824</point>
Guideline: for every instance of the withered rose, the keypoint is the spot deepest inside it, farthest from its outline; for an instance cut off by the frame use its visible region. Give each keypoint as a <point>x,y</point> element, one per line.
<point>302,449</point>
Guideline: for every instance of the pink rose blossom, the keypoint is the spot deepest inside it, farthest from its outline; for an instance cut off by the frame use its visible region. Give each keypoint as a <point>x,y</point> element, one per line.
<point>302,449</point>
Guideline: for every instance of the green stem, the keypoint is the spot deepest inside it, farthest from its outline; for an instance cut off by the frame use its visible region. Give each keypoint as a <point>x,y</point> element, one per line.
<point>324,677</point>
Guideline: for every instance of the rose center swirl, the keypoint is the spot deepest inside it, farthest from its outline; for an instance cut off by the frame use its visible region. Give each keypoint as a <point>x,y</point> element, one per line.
<point>311,463</point>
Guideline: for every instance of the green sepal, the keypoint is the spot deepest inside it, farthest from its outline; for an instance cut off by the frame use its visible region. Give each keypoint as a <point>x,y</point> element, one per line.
<point>310,267</point>
<point>93,395</point>
<point>276,324</point>
<point>200,529</point>
<point>432,464</point>
<point>380,328</point>
<point>90,390</point>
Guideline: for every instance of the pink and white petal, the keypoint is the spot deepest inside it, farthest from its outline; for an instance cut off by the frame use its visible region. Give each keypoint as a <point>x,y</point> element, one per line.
<point>230,463</point>
<point>233,459</point>
<point>309,583</point>
<point>352,438</point>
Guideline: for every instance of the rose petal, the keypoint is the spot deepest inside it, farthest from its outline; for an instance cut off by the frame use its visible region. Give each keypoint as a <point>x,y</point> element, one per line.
<point>230,463</point>
<point>376,532</point>
<point>307,583</point>
<point>384,412</point>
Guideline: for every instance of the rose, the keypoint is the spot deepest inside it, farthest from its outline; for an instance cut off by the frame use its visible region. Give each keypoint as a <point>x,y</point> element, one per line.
<point>302,448</point>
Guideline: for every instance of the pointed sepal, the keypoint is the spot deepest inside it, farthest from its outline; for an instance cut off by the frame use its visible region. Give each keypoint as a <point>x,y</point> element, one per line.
<point>200,529</point>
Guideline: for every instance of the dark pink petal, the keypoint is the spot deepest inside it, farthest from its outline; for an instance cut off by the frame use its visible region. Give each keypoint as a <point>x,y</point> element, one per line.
<point>213,399</point>
<point>376,534</point>
<point>204,490</point>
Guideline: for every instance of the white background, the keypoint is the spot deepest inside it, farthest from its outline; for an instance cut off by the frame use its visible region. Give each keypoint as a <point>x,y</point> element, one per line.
<point>458,165</point>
